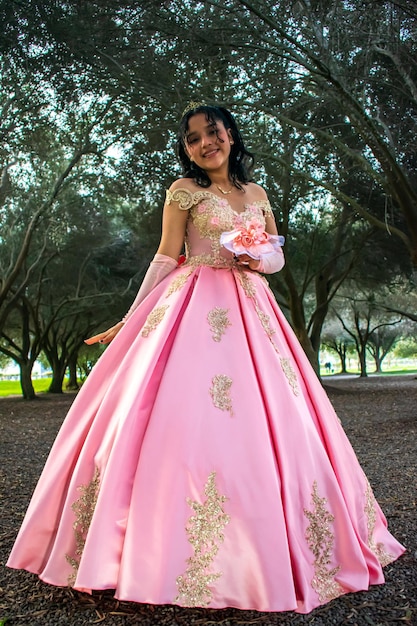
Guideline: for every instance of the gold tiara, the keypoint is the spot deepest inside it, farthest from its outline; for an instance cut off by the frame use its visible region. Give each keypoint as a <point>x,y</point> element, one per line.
<point>191,106</point>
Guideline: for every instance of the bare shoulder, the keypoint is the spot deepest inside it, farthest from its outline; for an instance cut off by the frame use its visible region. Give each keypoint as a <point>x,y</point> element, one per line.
<point>256,192</point>
<point>183,183</point>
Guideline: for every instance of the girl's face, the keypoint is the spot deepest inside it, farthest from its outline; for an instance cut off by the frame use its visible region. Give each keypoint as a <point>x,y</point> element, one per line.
<point>208,144</point>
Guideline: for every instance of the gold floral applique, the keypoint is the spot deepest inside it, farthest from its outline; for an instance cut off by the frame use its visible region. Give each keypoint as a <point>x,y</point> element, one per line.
<point>154,318</point>
<point>370,511</point>
<point>218,321</point>
<point>212,216</point>
<point>83,508</point>
<point>321,542</point>
<point>184,197</point>
<point>248,285</point>
<point>212,260</point>
<point>205,533</point>
<point>178,282</point>
<point>220,392</point>
<point>250,291</point>
<point>265,321</point>
<point>266,208</point>
<point>290,374</point>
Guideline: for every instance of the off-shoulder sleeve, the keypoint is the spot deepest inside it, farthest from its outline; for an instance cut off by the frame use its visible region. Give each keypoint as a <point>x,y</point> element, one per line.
<point>266,208</point>
<point>184,197</point>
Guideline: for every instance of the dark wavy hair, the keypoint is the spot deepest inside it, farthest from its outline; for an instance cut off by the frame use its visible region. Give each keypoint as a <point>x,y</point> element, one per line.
<point>241,161</point>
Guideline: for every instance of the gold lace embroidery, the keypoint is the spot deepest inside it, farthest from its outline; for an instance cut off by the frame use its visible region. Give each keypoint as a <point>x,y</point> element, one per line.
<point>212,215</point>
<point>220,392</point>
<point>210,260</point>
<point>184,197</point>
<point>266,208</point>
<point>83,508</point>
<point>249,288</point>
<point>320,541</point>
<point>291,376</point>
<point>248,285</point>
<point>266,322</point>
<point>370,511</point>
<point>154,318</point>
<point>205,533</point>
<point>218,321</point>
<point>178,282</point>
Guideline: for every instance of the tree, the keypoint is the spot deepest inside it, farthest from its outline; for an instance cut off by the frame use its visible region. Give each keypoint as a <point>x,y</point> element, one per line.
<point>322,93</point>
<point>339,341</point>
<point>406,347</point>
<point>91,296</point>
<point>32,185</point>
<point>18,345</point>
<point>355,60</point>
<point>381,342</point>
<point>363,322</point>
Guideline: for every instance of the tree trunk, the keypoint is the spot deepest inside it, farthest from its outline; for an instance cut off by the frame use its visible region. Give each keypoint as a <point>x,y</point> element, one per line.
<point>72,367</point>
<point>362,361</point>
<point>342,355</point>
<point>28,390</point>
<point>298,321</point>
<point>378,361</point>
<point>57,382</point>
<point>58,373</point>
<point>312,355</point>
<point>324,281</point>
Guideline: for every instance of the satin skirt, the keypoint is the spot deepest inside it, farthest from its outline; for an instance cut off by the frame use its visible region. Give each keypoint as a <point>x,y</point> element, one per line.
<point>202,464</point>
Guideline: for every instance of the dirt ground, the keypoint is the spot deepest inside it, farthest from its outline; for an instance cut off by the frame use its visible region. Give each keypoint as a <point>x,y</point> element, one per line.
<point>379,415</point>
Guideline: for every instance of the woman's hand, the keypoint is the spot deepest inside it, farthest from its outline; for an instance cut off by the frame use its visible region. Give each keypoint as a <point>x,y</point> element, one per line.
<point>105,337</point>
<point>245,260</point>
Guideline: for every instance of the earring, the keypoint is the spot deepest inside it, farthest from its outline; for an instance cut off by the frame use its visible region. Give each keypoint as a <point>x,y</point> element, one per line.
<point>191,159</point>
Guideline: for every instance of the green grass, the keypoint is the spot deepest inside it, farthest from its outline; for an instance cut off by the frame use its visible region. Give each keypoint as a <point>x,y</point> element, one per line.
<point>13,388</point>
<point>392,371</point>
<point>397,371</point>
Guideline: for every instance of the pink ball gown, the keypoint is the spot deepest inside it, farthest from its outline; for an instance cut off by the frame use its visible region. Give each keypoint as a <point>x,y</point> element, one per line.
<point>202,463</point>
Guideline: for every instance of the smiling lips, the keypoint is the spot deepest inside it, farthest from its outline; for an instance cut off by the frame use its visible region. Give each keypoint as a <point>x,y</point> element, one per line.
<point>209,154</point>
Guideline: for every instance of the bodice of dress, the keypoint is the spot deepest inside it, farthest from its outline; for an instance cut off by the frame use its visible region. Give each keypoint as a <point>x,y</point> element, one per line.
<point>209,216</point>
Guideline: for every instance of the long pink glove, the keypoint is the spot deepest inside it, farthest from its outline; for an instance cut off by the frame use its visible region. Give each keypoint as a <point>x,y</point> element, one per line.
<point>271,263</point>
<point>160,266</point>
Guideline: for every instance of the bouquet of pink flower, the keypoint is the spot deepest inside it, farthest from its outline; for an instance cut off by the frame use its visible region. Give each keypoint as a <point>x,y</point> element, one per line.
<point>251,240</point>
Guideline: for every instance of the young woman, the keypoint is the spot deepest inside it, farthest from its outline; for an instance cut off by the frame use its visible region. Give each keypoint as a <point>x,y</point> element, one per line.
<point>202,464</point>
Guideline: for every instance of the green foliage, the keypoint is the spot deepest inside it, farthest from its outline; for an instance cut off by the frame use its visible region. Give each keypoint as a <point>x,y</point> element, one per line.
<point>87,358</point>
<point>91,97</point>
<point>406,348</point>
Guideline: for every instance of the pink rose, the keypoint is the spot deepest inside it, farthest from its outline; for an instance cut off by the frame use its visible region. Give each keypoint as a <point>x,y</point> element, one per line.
<point>246,239</point>
<point>250,238</point>
<point>262,237</point>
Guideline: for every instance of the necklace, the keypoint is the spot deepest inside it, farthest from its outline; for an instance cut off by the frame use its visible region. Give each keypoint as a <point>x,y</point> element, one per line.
<point>225,193</point>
